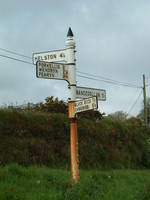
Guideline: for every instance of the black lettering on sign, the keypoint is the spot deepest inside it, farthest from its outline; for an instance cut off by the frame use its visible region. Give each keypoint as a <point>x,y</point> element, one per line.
<point>93,99</point>
<point>87,101</point>
<point>38,58</point>
<point>82,108</point>
<point>78,103</point>
<point>46,75</point>
<point>49,65</point>
<point>46,57</point>
<point>98,95</point>
<point>48,69</point>
<point>62,55</point>
<point>77,92</point>
<point>65,73</point>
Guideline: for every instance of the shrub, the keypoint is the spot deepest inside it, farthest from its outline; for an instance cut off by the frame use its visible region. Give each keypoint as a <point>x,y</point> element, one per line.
<point>44,139</point>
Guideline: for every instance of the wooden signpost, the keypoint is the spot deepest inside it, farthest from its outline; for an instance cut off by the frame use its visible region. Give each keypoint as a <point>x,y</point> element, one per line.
<point>48,66</point>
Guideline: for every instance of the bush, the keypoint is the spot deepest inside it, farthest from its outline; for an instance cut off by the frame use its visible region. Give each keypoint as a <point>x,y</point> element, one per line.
<point>43,139</point>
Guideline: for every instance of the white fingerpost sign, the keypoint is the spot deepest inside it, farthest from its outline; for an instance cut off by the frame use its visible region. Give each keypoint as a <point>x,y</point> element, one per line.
<point>50,56</point>
<point>83,92</point>
<point>52,70</point>
<point>86,104</point>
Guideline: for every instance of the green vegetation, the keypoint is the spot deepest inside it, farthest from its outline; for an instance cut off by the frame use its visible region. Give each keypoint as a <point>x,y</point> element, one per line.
<point>41,138</point>
<point>37,139</point>
<point>18,183</point>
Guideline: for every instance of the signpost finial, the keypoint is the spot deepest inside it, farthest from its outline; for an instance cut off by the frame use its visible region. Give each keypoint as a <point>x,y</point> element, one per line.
<point>70,33</point>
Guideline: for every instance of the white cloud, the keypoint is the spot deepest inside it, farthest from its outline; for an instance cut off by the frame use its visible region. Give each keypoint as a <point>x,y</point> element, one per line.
<point>112,41</point>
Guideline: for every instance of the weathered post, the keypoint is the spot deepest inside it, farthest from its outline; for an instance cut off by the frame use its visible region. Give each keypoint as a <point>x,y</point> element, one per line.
<point>48,66</point>
<point>145,102</point>
<point>71,106</point>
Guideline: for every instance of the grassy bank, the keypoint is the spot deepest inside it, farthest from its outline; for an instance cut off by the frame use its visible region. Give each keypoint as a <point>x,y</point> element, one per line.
<point>37,138</point>
<point>33,139</point>
<point>17,183</point>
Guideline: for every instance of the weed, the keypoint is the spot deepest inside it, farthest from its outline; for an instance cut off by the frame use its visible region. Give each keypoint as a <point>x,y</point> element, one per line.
<point>18,183</point>
<point>144,193</point>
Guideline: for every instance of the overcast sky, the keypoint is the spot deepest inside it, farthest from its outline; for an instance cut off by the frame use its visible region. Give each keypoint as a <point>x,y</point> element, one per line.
<point>112,42</point>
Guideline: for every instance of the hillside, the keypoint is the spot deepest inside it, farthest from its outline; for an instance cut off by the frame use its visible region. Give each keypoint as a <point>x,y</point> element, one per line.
<point>43,139</point>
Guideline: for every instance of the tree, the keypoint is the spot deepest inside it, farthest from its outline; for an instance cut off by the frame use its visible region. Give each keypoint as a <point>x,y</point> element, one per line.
<point>118,115</point>
<point>54,105</point>
<point>91,114</point>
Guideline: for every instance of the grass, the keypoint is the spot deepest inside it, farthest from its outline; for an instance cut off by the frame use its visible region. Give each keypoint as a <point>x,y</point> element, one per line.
<point>41,183</point>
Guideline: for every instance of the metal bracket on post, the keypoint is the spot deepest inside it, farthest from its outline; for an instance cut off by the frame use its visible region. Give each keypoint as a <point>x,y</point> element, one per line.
<point>71,106</point>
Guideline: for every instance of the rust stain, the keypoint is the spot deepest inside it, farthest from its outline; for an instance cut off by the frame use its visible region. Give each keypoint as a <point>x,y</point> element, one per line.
<point>71,110</point>
<point>73,142</point>
<point>74,150</point>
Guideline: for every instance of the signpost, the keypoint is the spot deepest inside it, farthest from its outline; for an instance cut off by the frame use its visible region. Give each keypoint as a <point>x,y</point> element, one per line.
<point>50,56</point>
<point>86,104</point>
<point>52,70</point>
<point>48,66</point>
<point>83,92</point>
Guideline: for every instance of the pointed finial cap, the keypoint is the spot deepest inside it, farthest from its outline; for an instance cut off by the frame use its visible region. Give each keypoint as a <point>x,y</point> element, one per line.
<point>70,33</point>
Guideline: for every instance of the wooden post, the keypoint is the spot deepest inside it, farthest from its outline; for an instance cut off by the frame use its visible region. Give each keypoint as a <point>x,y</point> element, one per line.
<point>145,102</point>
